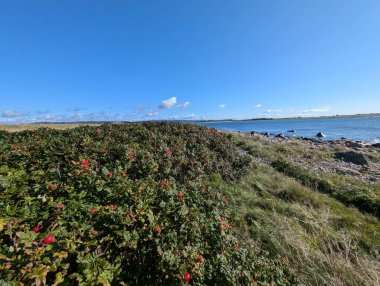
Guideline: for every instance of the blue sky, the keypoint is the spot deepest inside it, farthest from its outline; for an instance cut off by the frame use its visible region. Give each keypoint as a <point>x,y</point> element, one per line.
<point>137,60</point>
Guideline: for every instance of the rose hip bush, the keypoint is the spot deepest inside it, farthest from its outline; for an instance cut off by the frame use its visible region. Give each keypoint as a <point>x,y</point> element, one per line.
<point>123,204</point>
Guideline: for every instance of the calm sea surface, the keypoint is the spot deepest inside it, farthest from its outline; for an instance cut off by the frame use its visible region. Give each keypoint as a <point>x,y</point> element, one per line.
<point>357,128</point>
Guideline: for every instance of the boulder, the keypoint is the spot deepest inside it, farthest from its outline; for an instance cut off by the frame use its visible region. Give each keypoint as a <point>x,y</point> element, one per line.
<point>352,144</point>
<point>309,139</point>
<point>376,145</point>
<point>347,171</point>
<point>352,157</point>
<point>320,135</point>
<point>291,131</point>
<point>280,135</point>
<point>265,133</point>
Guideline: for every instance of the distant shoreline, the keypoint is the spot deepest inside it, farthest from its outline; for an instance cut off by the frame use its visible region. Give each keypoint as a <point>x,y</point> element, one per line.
<point>291,118</point>
<point>3,126</point>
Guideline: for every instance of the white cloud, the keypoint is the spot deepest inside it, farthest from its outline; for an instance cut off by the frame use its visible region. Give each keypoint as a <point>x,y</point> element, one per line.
<point>168,103</point>
<point>191,116</point>
<point>185,117</point>
<point>273,110</point>
<point>47,117</point>
<point>184,105</point>
<point>258,105</point>
<point>152,114</point>
<point>317,110</point>
<point>221,106</point>
<point>13,113</point>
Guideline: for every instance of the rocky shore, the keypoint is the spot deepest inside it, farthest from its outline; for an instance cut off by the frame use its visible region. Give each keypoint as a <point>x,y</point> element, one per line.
<point>351,158</point>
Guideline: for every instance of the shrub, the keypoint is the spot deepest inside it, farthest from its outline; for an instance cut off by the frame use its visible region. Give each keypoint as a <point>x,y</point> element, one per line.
<point>123,204</point>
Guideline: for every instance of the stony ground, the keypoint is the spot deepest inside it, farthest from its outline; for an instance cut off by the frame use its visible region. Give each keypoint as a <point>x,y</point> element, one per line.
<point>358,160</point>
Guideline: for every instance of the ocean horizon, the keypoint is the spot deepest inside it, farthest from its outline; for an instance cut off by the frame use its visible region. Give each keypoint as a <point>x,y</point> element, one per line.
<point>366,129</point>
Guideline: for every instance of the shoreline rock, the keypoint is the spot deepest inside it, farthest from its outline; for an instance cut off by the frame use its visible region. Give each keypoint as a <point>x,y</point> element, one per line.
<point>352,157</point>
<point>345,157</point>
<point>320,135</point>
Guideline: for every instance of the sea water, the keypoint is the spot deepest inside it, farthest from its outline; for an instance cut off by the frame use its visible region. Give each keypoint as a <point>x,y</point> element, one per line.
<point>366,129</point>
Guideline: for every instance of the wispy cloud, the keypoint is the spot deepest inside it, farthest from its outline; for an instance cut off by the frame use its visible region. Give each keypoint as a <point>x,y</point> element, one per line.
<point>47,117</point>
<point>273,110</point>
<point>41,111</point>
<point>94,116</point>
<point>13,113</point>
<point>184,105</point>
<point>191,116</point>
<point>258,105</point>
<point>221,106</point>
<point>168,103</point>
<point>75,109</point>
<point>152,114</point>
<point>317,110</point>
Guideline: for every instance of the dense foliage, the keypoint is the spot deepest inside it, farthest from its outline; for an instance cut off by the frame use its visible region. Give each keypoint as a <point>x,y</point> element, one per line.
<point>123,204</point>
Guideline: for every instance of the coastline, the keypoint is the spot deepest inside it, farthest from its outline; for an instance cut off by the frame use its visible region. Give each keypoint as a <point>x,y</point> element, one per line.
<point>342,157</point>
<point>291,118</point>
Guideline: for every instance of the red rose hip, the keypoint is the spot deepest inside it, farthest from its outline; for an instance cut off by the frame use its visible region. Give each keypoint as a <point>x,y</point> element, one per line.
<point>186,279</point>
<point>48,239</point>
<point>60,206</point>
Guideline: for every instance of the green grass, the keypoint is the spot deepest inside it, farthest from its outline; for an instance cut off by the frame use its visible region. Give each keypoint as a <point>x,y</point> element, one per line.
<point>318,221</point>
<point>326,242</point>
<point>348,190</point>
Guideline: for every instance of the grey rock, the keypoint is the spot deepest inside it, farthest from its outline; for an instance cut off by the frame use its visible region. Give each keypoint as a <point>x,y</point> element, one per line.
<point>352,144</point>
<point>280,135</point>
<point>309,139</point>
<point>376,145</point>
<point>352,157</point>
<point>347,171</point>
<point>291,131</point>
<point>320,135</point>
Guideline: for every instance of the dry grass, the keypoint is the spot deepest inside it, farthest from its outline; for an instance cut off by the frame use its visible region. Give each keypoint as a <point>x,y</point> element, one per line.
<point>22,127</point>
<point>325,241</point>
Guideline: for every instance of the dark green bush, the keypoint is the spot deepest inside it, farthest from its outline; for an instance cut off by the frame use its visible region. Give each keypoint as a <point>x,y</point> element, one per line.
<point>123,205</point>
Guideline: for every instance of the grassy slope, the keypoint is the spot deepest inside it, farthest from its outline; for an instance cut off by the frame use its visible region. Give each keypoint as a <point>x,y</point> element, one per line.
<point>326,241</point>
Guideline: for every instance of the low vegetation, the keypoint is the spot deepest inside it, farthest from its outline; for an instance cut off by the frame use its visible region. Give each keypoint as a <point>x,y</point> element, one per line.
<point>124,205</point>
<point>285,208</point>
<point>172,204</point>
